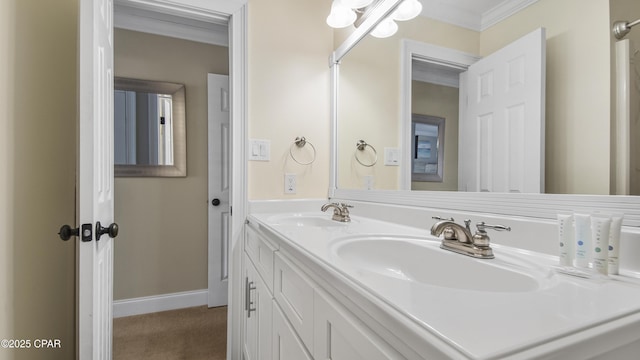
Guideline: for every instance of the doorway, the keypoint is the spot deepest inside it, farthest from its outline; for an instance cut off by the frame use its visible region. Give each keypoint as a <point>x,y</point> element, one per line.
<point>161,263</point>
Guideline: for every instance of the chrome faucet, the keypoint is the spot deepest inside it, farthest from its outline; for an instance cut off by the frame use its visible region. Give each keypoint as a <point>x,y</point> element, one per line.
<point>458,238</point>
<point>340,211</point>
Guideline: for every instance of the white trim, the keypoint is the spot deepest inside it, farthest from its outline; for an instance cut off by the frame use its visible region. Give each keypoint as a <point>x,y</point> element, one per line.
<point>151,304</point>
<point>542,206</point>
<point>214,11</point>
<point>143,20</point>
<point>238,63</point>
<point>503,11</point>
<point>444,11</point>
<point>623,116</point>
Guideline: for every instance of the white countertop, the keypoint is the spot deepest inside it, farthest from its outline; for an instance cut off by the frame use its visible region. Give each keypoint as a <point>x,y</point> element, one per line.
<point>477,323</point>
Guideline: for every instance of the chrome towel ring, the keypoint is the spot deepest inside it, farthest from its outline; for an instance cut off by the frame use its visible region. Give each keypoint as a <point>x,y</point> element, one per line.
<point>300,142</point>
<point>362,145</point>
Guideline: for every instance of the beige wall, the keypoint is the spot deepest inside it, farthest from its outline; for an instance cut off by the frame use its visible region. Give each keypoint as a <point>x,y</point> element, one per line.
<point>7,159</point>
<point>163,243</point>
<point>289,48</point>
<point>38,152</point>
<point>441,101</point>
<point>578,86</point>
<point>369,104</point>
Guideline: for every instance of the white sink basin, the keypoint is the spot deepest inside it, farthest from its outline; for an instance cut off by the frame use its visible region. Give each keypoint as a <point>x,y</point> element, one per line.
<point>421,261</point>
<point>307,220</point>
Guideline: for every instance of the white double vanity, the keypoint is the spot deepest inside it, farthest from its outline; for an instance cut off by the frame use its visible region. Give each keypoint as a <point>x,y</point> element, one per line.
<point>316,288</point>
<point>381,287</point>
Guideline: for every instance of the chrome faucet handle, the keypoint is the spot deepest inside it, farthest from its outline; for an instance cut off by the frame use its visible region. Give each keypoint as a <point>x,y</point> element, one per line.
<point>482,226</point>
<point>480,238</point>
<point>441,218</point>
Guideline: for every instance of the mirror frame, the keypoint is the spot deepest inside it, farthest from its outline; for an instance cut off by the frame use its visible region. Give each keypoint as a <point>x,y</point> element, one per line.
<point>179,167</point>
<point>538,206</point>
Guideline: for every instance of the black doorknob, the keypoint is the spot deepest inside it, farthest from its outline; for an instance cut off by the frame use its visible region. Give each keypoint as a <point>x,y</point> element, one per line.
<point>112,230</point>
<point>66,232</point>
<point>215,202</point>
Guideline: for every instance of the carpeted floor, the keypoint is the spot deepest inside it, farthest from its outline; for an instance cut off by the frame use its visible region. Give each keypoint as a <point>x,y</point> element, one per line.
<point>196,333</point>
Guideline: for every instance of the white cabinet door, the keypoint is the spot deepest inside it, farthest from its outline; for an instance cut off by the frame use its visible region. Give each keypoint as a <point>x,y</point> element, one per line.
<point>294,293</point>
<point>286,344</point>
<point>501,137</point>
<point>257,316</point>
<point>339,335</point>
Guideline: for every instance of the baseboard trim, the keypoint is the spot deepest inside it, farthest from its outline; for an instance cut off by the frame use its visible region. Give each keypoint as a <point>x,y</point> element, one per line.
<point>156,303</point>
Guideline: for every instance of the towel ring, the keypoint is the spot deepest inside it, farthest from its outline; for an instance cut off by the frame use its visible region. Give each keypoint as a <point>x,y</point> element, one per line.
<point>300,142</point>
<point>361,146</point>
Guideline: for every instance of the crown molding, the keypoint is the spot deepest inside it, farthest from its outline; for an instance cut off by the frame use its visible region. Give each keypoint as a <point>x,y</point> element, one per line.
<point>503,11</point>
<point>448,12</point>
<point>171,22</point>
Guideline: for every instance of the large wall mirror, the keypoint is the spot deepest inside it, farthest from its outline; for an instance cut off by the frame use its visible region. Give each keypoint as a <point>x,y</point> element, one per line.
<point>149,128</point>
<point>581,138</point>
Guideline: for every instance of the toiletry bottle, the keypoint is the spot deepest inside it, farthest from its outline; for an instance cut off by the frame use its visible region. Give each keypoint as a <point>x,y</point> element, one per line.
<point>600,225</point>
<point>582,240</point>
<point>614,243</point>
<point>565,239</point>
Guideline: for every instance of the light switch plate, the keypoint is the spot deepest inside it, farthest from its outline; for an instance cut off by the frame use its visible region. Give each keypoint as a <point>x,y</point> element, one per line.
<point>391,156</point>
<point>259,150</point>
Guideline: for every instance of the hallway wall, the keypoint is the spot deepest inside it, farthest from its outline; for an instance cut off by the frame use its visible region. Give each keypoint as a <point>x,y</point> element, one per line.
<point>163,243</point>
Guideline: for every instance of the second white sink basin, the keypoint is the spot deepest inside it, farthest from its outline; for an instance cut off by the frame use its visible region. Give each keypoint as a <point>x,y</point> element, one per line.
<point>307,220</point>
<point>422,262</point>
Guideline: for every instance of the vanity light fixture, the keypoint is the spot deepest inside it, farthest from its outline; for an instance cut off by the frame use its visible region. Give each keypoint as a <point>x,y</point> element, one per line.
<point>385,28</point>
<point>407,10</point>
<point>344,13</point>
<point>341,15</point>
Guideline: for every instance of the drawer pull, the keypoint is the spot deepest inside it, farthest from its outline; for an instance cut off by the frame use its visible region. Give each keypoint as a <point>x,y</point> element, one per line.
<point>248,286</point>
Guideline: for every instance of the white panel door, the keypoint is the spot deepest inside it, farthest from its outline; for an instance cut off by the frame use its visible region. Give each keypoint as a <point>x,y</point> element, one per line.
<point>501,137</point>
<point>95,179</point>
<point>219,184</point>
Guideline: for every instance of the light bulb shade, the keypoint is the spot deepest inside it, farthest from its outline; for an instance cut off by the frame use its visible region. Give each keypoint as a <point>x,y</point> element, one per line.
<point>356,4</point>
<point>385,28</point>
<point>340,16</point>
<point>407,10</point>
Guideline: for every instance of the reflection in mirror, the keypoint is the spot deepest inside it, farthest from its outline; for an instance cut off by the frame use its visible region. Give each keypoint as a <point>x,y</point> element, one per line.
<point>149,128</point>
<point>580,137</point>
<point>427,142</point>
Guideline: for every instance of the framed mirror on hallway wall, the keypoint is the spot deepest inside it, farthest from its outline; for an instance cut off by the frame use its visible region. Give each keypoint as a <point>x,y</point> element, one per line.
<point>150,128</point>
